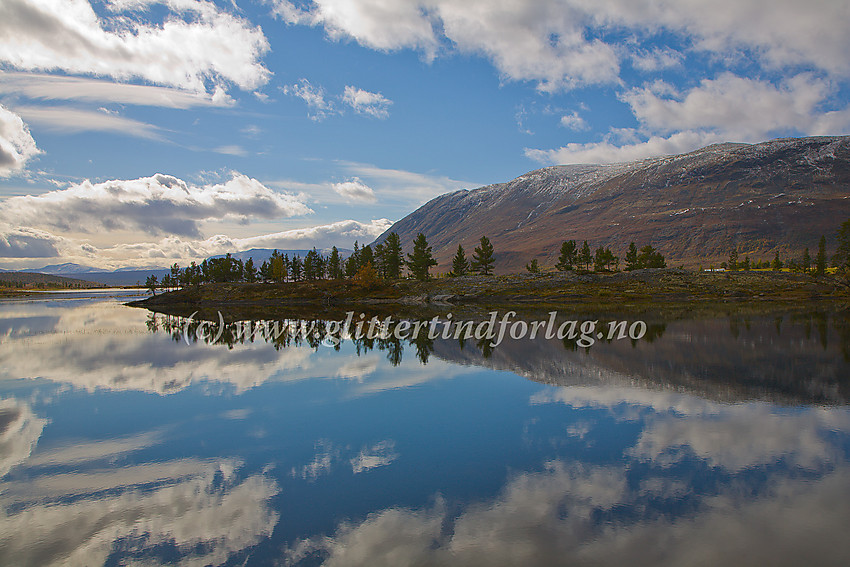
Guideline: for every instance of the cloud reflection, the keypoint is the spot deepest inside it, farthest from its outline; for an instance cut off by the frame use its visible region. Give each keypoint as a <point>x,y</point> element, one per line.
<point>202,510</point>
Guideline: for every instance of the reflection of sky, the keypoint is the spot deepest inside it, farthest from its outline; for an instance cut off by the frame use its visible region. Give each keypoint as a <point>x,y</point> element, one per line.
<point>265,457</point>
<point>102,344</point>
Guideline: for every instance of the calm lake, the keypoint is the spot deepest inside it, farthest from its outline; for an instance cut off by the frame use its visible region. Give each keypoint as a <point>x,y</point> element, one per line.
<point>128,438</point>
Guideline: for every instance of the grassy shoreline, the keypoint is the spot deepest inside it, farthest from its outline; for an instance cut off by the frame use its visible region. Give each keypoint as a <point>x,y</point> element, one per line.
<point>638,291</point>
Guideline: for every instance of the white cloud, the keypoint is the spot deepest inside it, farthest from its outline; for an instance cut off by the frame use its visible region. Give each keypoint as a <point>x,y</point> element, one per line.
<point>728,108</point>
<point>378,455</point>
<point>313,96</point>
<point>780,33</point>
<point>185,50</point>
<point>608,152</point>
<point>738,108</point>
<point>365,102</point>
<point>656,59</point>
<point>399,185</point>
<point>574,121</point>
<point>231,150</point>
<point>543,42</point>
<point>20,430</point>
<point>16,143</point>
<point>63,119</point>
<point>355,190</point>
<point>556,42</point>
<point>54,87</point>
<point>157,204</point>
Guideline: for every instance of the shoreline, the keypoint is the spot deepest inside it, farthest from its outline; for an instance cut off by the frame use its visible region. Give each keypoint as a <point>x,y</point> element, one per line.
<point>637,291</point>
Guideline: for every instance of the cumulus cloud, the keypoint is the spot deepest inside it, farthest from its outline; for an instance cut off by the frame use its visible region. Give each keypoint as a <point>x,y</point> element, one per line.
<point>535,41</point>
<point>557,43</point>
<point>38,86</point>
<point>355,190</point>
<point>185,50</point>
<point>611,152</point>
<point>16,143</point>
<point>727,108</point>
<point>738,108</point>
<point>154,205</point>
<point>365,102</point>
<point>25,242</point>
<point>573,121</point>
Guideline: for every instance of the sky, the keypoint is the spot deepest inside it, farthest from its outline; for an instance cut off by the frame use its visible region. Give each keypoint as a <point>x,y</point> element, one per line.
<point>146,132</point>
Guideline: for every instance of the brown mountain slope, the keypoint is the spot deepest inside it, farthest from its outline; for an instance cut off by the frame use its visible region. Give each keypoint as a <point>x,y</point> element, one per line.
<point>695,208</point>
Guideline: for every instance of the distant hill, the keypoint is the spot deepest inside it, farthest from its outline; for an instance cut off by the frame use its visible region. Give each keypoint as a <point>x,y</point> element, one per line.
<point>695,208</point>
<point>31,279</point>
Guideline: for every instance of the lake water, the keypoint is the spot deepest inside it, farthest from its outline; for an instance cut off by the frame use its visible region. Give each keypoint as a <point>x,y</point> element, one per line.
<point>128,438</point>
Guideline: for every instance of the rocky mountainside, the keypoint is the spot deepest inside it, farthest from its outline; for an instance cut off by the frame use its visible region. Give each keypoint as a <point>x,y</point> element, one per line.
<point>780,195</point>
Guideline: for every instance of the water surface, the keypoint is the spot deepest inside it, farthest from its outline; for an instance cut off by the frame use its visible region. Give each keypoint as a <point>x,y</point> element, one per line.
<point>723,440</point>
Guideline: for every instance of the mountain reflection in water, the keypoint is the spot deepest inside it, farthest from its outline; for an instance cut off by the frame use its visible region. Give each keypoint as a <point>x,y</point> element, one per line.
<point>717,440</point>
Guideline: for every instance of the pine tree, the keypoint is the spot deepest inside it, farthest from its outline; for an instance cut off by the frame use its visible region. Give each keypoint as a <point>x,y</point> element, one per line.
<point>585,258</point>
<point>631,257</point>
<point>421,260</point>
<point>599,259</point>
<point>367,256</point>
<point>151,283</point>
<point>296,268</point>
<point>807,260</point>
<point>567,258</point>
<point>776,265</point>
<point>460,265</point>
<point>482,257</point>
<point>733,259</point>
<point>334,265</point>
<point>250,271</point>
<point>820,260</point>
<point>651,258</point>
<point>393,257</point>
<point>533,267</point>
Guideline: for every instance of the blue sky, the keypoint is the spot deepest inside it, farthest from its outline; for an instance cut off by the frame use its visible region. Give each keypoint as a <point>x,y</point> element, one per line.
<point>143,132</point>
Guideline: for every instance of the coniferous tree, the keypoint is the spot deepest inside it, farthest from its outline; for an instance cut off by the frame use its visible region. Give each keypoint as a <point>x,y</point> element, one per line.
<point>421,260</point>
<point>567,258</point>
<point>807,260</point>
<point>776,265</point>
<point>296,268</point>
<point>250,271</point>
<point>393,259</point>
<point>460,264</point>
<point>334,265</point>
<point>367,256</point>
<point>650,258</point>
<point>820,260</point>
<point>482,257</point>
<point>585,258</point>
<point>733,259</point>
<point>632,257</point>
<point>599,259</point>
<point>533,267</point>
<point>151,283</point>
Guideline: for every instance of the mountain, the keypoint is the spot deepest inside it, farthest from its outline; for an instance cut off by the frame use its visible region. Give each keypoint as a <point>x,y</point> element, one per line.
<point>780,195</point>
<point>30,279</point>
<point>68,268</point>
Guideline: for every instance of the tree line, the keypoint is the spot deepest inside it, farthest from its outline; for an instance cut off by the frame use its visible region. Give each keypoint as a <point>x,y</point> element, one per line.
<point>805,263</point>
<point>385,262</point>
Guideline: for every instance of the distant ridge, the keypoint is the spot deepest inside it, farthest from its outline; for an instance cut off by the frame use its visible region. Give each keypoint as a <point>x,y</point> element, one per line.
<point>34,279</point>
<point>780,195</point>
